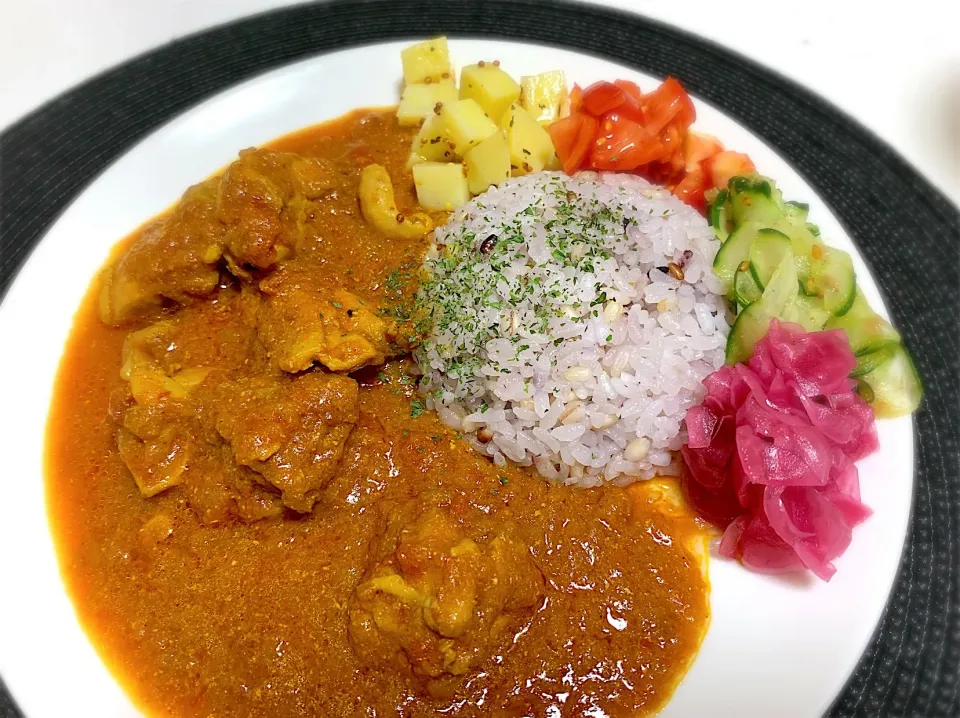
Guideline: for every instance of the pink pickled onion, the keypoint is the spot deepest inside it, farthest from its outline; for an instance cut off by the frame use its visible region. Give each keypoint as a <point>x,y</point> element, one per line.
<point>771,452</point>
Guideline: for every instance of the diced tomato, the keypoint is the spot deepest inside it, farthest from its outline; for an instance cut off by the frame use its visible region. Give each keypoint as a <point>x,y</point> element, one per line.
<point>572,138</point>
<point>631,88</point>
<point>690,189</point>
<point>631,109</point>
<point>674,140</point>
<point>688,112</point>
<point>724,165</point>
<point>658,173</point>
<point>575,95</point>
<point>614,126</point>
<point>602,98</point>
<point>667,103</point>
<point>697,147</point>
<point>624,144</point>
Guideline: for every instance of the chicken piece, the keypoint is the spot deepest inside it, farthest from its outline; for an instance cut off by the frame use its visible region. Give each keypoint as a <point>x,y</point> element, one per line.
<point>367,467</point>
<point>315,178</point>
<point>164,446</point>
<point>445,599</point>
<point>173,369</point>
<point>155,446</point>
<point>379,207</point>
<point>218,489</point>
<point>144,366</point>
<point>253,215</point>
<point>155,530</point>
<point>290,431</point>
<point>301,323</point>
<point>154,438</point>
<point>262,202</point>
<point>174,258</point>
<point>185,346</point>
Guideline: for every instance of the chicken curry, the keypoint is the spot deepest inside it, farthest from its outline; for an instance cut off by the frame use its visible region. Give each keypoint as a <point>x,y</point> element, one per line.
<point>256,516</point>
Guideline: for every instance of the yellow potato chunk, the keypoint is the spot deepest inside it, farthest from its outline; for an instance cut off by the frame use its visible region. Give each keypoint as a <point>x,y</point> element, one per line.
<point>426,62</point>
<point>440,185</point>
<point>542,95</point>
<point>488,163</point>
<point>466,124</point>
<point>432,143</point>
<point>419,100</point>
<point>553,162</point>
<point>530,145</point>
<point>492,88</point>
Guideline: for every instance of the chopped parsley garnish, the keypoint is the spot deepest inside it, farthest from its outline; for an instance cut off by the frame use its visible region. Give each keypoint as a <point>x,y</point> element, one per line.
<point>416,408</point>
<point>601,298</point>
<point>393,281</point>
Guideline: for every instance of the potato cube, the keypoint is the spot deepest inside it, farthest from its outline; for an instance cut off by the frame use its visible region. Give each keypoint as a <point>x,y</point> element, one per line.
<point>426,62</point>
<point>432,143</point>
<point>440,185</point>
<point>419,99</point>
<point>530,144</point>
<point>542,95</point>
<point>467,124</point>
<point>488,163</point>
<point>491,87</point>
<point>553,162</point>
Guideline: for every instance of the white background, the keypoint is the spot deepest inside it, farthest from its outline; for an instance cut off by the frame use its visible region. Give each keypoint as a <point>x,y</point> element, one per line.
<point>893,66</point>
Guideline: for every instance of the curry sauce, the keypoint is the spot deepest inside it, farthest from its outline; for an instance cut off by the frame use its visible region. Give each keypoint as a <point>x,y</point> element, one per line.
<point>370,562</point>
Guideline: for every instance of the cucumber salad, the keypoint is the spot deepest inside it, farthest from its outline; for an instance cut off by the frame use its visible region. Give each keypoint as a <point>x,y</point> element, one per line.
<point>774,263</point>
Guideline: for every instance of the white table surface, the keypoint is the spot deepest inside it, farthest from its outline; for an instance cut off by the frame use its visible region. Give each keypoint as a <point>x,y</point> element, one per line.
<point>895,66</point>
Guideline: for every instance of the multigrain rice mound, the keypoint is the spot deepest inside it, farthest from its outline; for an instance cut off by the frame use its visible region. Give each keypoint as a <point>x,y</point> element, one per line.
<point>568,324</point>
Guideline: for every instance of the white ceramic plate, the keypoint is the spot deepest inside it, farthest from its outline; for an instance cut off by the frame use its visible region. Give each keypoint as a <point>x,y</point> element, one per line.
<point>776,647</point>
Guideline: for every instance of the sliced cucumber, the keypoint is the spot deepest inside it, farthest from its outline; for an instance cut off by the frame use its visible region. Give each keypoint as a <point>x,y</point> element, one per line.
<point>750,327</point>
<point>733,252</point>
<point>754,199</point>
<point>866,363</point>
<point>894,386</point>
<point>745,289</point>
<point>774,264</point>
<point>796,212</point>
<point>808,312</point>
<point>767,251</point>
<point>719,215</point>
<point>866,330</point>
<point>782,289</point>
<point>753,321</point>
<point>832,278</point>
<point>803,243</point>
